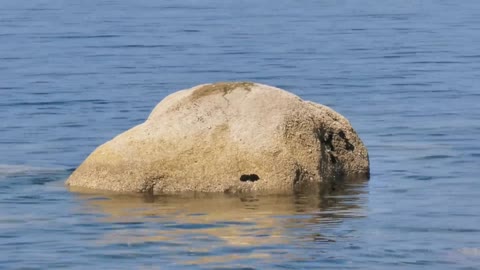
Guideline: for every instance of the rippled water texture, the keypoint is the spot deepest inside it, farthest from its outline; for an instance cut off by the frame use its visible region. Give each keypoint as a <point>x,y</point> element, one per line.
<point>73,74</point>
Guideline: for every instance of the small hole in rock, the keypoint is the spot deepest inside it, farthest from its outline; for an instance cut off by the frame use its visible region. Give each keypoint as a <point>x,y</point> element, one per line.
<point>249,177</point>
<point>349,146</point>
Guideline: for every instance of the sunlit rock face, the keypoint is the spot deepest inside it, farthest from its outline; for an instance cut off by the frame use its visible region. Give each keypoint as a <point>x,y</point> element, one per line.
<point>228,137</point>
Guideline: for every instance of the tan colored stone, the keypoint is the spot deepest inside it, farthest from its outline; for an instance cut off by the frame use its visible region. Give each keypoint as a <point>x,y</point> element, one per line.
<point>222,137</point>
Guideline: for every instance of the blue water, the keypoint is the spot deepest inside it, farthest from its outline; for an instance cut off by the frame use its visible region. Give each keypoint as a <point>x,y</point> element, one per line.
<point>73,74</point>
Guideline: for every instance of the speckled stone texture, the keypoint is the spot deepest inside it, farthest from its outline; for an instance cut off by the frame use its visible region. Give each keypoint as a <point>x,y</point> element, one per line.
<point>228,137</point>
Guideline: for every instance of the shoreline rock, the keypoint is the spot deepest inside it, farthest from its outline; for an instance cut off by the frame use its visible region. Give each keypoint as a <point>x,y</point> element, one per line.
<point>228,137</point>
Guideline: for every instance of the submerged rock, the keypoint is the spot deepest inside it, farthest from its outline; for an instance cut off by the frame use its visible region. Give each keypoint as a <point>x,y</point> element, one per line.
<point>228,137</point>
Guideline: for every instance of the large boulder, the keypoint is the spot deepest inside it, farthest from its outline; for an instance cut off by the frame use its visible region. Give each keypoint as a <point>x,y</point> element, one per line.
<point>228,137</point>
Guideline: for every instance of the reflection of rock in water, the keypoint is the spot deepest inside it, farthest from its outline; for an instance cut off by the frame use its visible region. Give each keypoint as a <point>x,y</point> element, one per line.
<point>213,228</point>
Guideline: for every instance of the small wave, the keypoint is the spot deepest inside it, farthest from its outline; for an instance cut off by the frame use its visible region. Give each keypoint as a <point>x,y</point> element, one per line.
<point>430,157</point>
<point>7,170</point>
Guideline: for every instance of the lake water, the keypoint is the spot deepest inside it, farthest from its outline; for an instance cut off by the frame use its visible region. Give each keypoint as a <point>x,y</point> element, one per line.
<point>73,74</point>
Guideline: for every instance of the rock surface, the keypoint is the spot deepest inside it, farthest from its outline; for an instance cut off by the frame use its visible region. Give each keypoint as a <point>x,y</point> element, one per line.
<point>228,137</point>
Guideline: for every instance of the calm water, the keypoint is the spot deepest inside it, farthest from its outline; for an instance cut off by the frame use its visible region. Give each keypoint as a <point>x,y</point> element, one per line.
<point>406,73</point>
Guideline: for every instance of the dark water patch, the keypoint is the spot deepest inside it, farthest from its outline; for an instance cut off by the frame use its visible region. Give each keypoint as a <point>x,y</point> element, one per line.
<point>415,84</point>
<point>400,190</point>
<point>437,134</point>
<point>43,180</point>
<point>433,157</point>
<point>11,58</point>
<point>67,36</point>
<point>72,125</point>
<point>129,223</point>
<point>190,31</point>
<point>131,46</point>
<point>53,103</point>
<point>62,74</point>
<point>434,62</point>
<point>100,55</point>
<point>98,199</point>
<point>9,87</point>
<point>186,226</point>
<point>420,177</point>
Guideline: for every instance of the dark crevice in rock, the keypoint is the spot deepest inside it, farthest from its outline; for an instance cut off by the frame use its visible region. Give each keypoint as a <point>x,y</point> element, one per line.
<point>330,162</point>
<point>333,159</point>
<point>149,185</point>
<point>301,180</point>
<point>297,178</point>
<point>327,140</point>
<point>249,178</point>
<point>348,145</point>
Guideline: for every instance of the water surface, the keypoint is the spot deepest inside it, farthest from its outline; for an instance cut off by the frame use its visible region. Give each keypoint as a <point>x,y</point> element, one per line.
<point>406,73</point>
